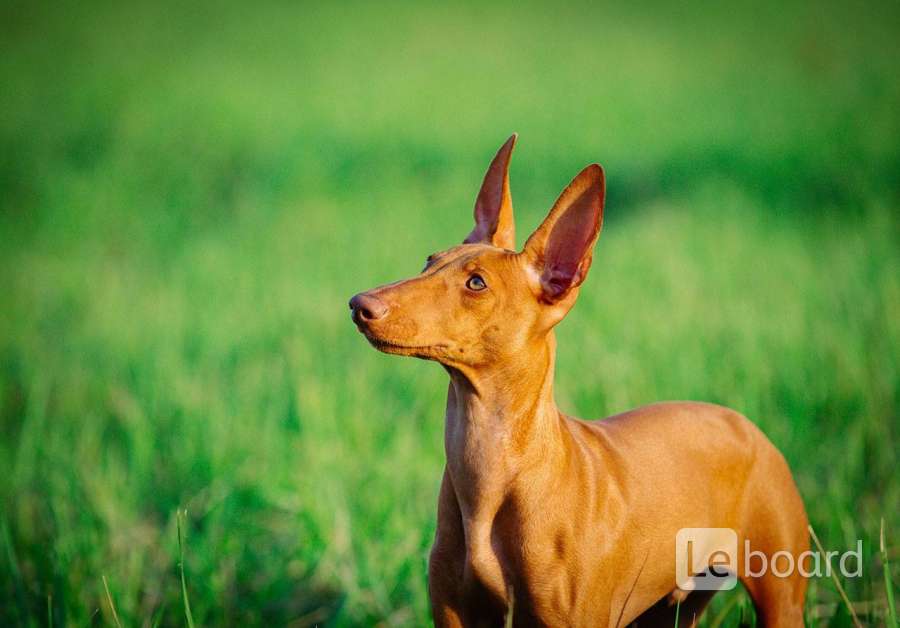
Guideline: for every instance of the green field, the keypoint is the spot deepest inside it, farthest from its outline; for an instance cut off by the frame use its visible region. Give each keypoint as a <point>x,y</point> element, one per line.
<point>189,194</point>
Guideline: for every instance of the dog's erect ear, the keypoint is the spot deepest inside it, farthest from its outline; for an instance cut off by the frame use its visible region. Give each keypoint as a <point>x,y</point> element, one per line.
<point>493,207</point>
<point>560,250</point>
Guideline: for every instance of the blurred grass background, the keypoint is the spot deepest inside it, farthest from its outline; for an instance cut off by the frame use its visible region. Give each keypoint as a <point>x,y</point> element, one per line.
<point>190,192</point>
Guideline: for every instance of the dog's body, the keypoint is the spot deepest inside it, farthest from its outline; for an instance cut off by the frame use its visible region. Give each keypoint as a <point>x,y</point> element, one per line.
<point>555,520</point>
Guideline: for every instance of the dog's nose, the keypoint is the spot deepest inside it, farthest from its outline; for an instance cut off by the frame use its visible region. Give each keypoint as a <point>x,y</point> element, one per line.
<point>365,308</point>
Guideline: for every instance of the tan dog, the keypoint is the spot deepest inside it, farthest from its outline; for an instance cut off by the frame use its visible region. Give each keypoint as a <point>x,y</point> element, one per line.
<point>556,520</point>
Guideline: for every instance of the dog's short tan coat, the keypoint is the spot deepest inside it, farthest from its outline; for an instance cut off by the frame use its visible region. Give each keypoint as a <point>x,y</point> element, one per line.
<point>556,520</point>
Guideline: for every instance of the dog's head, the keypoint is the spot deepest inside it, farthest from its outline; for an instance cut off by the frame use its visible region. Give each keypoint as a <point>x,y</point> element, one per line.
<point>479,302</point>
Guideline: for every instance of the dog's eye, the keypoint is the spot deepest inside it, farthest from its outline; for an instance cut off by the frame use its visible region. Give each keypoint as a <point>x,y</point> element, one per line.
<point>476,283</point>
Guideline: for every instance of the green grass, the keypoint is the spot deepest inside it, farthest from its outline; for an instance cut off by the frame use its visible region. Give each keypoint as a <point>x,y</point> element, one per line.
<point>190,194</point>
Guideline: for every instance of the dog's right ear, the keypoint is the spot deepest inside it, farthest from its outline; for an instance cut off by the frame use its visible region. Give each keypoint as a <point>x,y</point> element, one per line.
<point>493,208</point>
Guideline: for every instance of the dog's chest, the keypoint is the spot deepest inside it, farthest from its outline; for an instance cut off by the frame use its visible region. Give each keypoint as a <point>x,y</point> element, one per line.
<point>501,563</point>
<point>549,571</point>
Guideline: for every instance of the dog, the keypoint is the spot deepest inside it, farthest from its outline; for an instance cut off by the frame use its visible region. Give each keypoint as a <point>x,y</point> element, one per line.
<point>545,519</point>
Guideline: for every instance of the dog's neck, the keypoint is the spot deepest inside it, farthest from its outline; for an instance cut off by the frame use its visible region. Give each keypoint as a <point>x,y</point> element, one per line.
<point>499,422</point>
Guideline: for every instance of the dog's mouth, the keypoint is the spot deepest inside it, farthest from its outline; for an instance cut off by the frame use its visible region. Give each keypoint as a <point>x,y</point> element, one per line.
<point>387,346</point>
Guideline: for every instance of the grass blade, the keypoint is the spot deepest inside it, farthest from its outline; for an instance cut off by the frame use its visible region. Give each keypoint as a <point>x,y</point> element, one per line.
<point>157,617</point>
<point>112,606</point>
<point>184,594</point>
<point>719,619</point>
<point>888,583</point>
<point>677,612</point>
<point>15,573</point>
<point>837,581</point>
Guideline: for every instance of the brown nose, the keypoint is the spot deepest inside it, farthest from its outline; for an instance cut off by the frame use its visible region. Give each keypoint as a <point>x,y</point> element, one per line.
<point>365,308</point>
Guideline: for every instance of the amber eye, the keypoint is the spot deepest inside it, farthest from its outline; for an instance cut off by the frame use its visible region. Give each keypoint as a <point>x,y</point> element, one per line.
<point>476,283</point>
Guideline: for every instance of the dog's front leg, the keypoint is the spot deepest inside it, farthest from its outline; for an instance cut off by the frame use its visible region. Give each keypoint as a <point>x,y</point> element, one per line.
<point>447,560</point>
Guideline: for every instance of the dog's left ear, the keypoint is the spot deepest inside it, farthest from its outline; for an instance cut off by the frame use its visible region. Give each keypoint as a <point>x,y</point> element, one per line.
<point>493,207</point>
<point>561,249</point>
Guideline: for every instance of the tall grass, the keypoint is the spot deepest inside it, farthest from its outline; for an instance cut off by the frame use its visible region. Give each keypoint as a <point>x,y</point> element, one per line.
<point>190,193</point>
